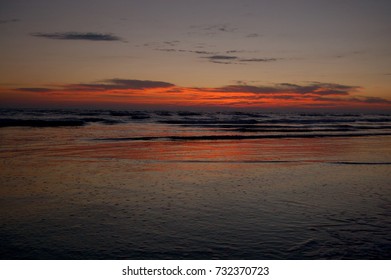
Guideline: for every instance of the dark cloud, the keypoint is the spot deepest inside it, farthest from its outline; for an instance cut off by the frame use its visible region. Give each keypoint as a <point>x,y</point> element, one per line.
<point>243,82</point>
<point>88,36</point>
<point>365,100</point>
<point>324,92</point>
<point>260,93</point>
<point>249,89</point>
<point>211,29</point>
<point>183,51</point>
<point>34,89</point>
<point>376,100</point>
<point>233,51</point>
<point>240,97</point>
<point>333,99</point>
<point>220,27</point>
<point>106,85</point>
<point>253,35</point>
<point>139,84</point>
<point>314,88</point>
<point>172,43</point>
<point>221,57</point>
<point>222,62</point>
<point>4,21</point>
<point>320,88</point>
<point>120,84</point>
<point>202,52</point>
<point>214,28</point>
<point>170,50</point>
<point>259,59</point>
<point>240,51</point>
<point>238,60</point>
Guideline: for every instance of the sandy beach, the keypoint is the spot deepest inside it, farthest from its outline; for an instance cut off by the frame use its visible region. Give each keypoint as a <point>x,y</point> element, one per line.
<point>66,195</point>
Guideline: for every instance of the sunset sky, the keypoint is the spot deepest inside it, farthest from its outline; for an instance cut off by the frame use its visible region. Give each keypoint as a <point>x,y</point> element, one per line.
<point>201,54</point>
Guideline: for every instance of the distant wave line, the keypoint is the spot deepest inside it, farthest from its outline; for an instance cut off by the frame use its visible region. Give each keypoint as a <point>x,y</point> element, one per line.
<point>238,137</point>
<point>268,162</point>
<point>53,122</point>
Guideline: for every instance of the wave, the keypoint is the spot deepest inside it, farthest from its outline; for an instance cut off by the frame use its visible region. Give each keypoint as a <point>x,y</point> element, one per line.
<point>238,137</point>
<point>40,123</point>
<point>53,122</point>
<point>360,163</point>
<point>271,125</point>
<point>208,121</point>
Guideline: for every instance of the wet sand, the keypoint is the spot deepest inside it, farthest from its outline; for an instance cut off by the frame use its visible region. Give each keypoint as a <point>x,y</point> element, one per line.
<point>65,195</point>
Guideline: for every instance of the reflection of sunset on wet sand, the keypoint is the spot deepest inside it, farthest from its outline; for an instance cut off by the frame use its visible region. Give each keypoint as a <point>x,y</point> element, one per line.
<point>124,194</point>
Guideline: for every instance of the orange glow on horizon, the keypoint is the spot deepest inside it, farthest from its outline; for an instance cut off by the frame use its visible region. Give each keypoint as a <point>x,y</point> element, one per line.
<point>185,97</point>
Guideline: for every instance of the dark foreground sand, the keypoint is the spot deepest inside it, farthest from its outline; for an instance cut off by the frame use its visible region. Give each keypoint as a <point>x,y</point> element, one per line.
<point>65,197</point>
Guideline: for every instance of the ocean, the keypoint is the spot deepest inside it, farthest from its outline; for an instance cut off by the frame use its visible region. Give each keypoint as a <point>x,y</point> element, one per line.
<point>109,184</point>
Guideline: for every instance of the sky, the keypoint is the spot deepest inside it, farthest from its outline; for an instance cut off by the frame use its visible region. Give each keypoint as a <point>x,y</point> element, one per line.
<point>272,55</point>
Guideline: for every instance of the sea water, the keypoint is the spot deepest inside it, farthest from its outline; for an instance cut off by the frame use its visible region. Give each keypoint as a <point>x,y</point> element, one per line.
<point>105,184</point>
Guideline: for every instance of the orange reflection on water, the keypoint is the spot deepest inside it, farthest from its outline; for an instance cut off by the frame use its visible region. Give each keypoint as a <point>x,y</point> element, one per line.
<point>77,144</point>
<point>296,150</point>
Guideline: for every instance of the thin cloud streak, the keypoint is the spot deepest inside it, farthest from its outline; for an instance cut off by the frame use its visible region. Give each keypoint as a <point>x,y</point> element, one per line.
<point>221,57</point>
<point>5,21</point>
<point>253,35</point>
<point>213,56</point>
<point>87,36</point>
<point>120,84</point>
<point>34,89</point>
<point>212,29</point>
<point>227,59</point>
<point>314,88</point>
<point>183,51</point>
<point>259,59</point>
